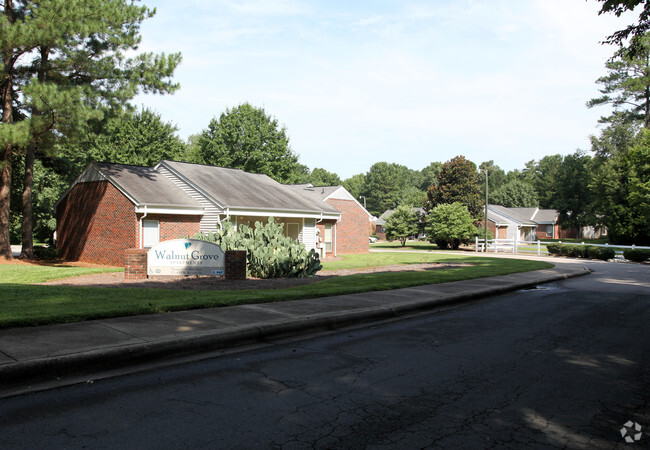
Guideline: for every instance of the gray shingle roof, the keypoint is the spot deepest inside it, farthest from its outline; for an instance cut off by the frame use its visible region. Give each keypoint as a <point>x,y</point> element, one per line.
<point>546,216</point>
<point>512,214</point>
<point>145,185</point>
<point>234,188</point>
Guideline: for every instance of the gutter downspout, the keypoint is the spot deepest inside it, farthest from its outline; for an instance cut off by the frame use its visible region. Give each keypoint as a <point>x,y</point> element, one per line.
<point>142,227</point>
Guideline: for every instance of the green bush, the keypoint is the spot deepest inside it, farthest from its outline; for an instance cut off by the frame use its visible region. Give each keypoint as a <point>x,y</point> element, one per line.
<point>269,253</point>
<point>603,253</point>
<point>553,249</point>
<point>576,251</point>
<point>43,252</point>
<point>581,251</point>
<point>450,224</point>
<point>637,254</point>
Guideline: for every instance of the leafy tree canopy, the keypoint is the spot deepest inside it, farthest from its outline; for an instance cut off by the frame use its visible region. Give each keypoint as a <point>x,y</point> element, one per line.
<point>412,196</point>
<point>430,175</point>
<point>575,199</point>
<point>457,182</point>
<point>496,176</point>
<point>138,138</point>
<point>618,7</point>
<point>450,224</point>
<point>383,184</point>
<point>246,138</point>
<point>321,177</point>
<point>402,224</point>
<point>64,62</point>
<point>541,175</point>
<point>639,189</point>
<point>355,185</point>
<point>515,194</point>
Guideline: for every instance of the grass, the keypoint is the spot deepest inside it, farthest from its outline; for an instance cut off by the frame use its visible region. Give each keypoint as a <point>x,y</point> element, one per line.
<point>410,245</point>
<point>25,304</point>
<point>29,274</point>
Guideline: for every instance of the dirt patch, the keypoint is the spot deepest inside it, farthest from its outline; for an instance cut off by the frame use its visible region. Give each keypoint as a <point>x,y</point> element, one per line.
<point>116,280</point>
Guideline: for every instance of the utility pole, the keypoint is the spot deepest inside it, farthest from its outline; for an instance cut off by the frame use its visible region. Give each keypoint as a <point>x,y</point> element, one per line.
<point>486,208</point>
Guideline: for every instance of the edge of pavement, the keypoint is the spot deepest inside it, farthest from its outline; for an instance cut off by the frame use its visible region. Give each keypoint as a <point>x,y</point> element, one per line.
<point>23,372</point>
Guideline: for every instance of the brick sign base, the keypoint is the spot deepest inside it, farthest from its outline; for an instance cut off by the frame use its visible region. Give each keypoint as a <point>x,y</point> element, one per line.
<point>135,264</point>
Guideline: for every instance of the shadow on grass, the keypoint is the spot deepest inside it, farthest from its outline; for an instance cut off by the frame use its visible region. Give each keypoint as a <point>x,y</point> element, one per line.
<point>27,305</point>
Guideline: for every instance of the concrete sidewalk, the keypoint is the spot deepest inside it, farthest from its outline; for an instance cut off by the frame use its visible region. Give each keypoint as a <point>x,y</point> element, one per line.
<point>38,354</point>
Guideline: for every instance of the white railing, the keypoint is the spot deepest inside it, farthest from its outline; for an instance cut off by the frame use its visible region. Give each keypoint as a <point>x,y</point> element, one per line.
<point>515,246</point>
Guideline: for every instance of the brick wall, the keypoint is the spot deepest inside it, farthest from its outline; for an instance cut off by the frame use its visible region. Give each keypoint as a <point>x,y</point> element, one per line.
<point>352,229</point>
<point>96,223</point>
<point>172,226</point>
<point>235,265</point>
<point>135,264</point>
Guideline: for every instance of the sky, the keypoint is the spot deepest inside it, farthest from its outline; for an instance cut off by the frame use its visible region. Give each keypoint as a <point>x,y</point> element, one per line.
<point>407,82</point>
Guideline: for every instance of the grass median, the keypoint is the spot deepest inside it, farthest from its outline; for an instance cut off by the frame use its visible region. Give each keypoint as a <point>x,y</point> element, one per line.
<point>23,303</point>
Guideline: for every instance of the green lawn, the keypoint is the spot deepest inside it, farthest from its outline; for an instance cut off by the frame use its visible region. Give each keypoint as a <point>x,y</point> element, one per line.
<point>29,274</point>
<point>410,245</point>
<point>25,304</point>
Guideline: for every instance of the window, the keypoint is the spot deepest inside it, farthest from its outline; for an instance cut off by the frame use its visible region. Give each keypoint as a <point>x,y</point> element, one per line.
<point>293,231</point>
<point>549,231</point>
<point>150,233</point>
<point>328,237</point>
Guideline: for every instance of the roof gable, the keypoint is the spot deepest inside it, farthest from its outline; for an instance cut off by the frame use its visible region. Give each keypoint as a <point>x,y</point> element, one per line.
<point>141,185</point>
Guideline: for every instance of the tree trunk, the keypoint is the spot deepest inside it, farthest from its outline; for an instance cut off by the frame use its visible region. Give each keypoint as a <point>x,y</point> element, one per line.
<point>27,251</point>
<point>7,148</point>
<point>5,195</point>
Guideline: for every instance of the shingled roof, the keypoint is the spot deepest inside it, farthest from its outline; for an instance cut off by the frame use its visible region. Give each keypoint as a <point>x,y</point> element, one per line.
<point>145,185</point>
<point>234,188</point>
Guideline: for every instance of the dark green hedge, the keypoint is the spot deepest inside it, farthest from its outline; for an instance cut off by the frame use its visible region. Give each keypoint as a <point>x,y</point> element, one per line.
<point>637,254</point>
<point>581,251</point>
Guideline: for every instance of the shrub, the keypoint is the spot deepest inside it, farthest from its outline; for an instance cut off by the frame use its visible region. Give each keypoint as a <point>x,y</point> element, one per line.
<point>269,253</point>
<point>43,252</point>
<point>553,249</point>
<point>603,253</point>
<point>575,251</point>
<point>637,254</point>
<point>450,224</point>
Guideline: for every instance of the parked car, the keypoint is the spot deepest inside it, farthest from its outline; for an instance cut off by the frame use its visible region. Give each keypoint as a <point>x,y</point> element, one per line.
<point>372,239</point>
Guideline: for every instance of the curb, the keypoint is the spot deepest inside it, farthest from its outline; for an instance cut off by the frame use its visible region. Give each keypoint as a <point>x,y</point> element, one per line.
<point>24,372</point>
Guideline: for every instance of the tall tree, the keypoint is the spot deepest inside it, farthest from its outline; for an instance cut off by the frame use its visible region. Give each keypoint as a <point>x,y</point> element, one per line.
<point>321,177</point>
<point>618,7</point>
<point>496,176</point>
<point>383,184</point>
<point>457,182</point>
<point>542,176</point>
<point>514,194</point>
<point>355,185</point>
<point>626,87</point>
<point>620,178</point>
<point>139,138</point>
<point>639,196</point>
<point>575,199</point>
<point>246,138</point>
<point>430,175</point>
<point>78,66</point>
<point>413,196</point>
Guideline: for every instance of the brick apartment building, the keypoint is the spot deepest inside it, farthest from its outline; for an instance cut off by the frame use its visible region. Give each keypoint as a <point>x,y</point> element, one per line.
<point>113,207</point>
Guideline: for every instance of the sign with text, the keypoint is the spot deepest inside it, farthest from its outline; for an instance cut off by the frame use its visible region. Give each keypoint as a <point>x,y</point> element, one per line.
<point>186,257</point>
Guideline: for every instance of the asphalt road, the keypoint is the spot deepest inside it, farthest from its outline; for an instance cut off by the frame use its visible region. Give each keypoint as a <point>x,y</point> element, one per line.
<point>566,365</point>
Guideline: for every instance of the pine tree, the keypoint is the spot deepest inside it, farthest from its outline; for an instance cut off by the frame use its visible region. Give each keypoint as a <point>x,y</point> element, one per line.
<point>78,69</point>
